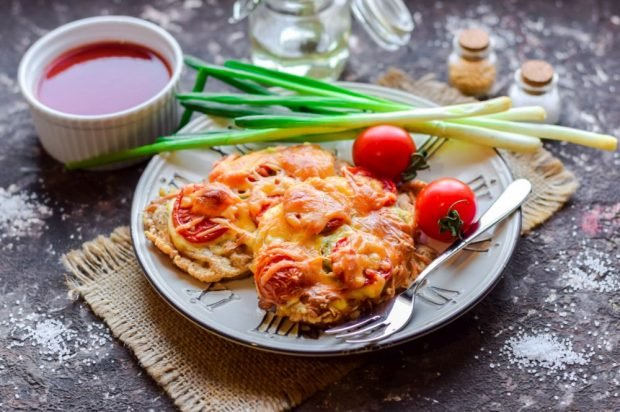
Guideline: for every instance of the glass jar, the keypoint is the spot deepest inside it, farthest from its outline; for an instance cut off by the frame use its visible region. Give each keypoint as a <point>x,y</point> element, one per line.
<point>472,65</point>
<point>311,37</point>
<point>536,84</point>
<point>304,37</point>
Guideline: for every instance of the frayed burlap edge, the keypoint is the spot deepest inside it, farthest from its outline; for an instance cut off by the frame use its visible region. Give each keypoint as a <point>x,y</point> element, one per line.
<point>97,258</point>
<point>198,370</point>
<point>553,185</point>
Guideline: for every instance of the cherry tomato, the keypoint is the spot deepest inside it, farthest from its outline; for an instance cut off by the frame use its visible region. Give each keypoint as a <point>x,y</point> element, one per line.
<point>384,150</point>
<point>445,208</point>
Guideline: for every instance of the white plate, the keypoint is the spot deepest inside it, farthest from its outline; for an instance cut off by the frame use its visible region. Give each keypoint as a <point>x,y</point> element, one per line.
<point>230,309</point>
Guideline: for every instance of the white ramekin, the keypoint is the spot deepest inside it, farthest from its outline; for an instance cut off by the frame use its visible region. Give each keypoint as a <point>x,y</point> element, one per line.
<point>69,137</point>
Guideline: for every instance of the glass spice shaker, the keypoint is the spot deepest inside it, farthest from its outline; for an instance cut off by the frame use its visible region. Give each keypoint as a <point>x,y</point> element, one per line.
<point>535,84</point>
<point>472,65</point>
<point>311,37</point>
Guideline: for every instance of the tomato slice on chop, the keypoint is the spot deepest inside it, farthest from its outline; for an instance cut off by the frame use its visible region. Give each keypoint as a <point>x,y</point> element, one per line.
<point>194,226</point>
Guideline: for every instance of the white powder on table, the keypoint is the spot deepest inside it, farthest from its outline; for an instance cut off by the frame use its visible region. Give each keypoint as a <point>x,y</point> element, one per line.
<point>56,341</point>
<point>592,270</point>
<point>21,213</point>
<point>532,351</point>
<point>52,337</point>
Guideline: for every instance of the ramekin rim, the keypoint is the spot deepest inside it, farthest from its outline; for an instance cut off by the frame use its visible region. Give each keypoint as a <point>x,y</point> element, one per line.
<point>28,93</point>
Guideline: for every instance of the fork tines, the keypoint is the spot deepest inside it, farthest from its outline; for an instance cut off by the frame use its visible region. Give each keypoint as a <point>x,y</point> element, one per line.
<point>431,145</point>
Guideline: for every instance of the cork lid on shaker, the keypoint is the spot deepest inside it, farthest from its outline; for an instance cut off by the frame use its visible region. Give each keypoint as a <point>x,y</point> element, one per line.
<point>537,73</point>
<point>474,40</point>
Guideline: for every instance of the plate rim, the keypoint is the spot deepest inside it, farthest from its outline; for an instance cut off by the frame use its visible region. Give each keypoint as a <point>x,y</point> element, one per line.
<point>157,159</point>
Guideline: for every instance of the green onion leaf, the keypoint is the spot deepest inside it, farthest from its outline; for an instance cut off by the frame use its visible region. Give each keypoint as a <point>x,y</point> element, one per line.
<point>293,102</point>
<point>225,138</point>
<point>199,85</point>
<point>229,111</point>
<point>402,118</point>
<point>307,81</point>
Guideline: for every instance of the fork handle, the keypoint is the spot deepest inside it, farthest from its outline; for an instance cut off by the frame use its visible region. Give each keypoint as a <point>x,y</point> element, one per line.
<point>509,201</point>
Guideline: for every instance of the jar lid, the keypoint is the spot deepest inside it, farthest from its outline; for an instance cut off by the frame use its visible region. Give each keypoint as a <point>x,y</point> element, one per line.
<point>474,40</point>
<point>388,22</point>
<point>242,9</point>
<point>537,73</point>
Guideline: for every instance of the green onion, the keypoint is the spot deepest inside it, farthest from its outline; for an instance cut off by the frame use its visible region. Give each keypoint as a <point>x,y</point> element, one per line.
<point>328,136</point>
<point>307,81</point>
<point>199,85</point>
<point>190,135</point>
<point>231,112</point>
<point>232,77</point>
<point>243,85</point>
<point>181,142</point>
<point>478,135</point>
<point>567,134</point>
<point>293,102</point>
<point>257,77</point>
<point>401,118</point>
<point>323,137</point>
<point>520,114</point>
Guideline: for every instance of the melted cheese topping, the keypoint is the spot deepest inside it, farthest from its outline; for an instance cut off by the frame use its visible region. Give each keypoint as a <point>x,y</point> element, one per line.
<point>266,193</point>
<point>240,232</point>
<point>367,257</point>
<point>311,210</point>
<point>299,162</point>
<point>323,243</point>
<point>306,161</point>
<point>241,188</point>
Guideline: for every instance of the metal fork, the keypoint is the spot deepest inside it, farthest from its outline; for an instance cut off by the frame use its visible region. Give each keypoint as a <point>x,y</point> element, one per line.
<point>395,314</point>
<point>431,146</point>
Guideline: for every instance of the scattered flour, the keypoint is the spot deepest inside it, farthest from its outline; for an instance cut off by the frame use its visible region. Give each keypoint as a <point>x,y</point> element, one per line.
<point>530,351</point>
<point>9,83</point>
<point>174,15</point>
<point>164,19</point>
<point>21,213</point>
<point>545,353</point>
<point>593,270</point>
<point>56,341</point>
<point>52,337</point>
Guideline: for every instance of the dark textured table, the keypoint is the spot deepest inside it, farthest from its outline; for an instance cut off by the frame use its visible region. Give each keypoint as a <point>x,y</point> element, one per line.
<point>559,293</point>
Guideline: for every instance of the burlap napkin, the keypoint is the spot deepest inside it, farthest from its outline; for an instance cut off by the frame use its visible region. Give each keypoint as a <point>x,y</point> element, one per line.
<point>200,371</point>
